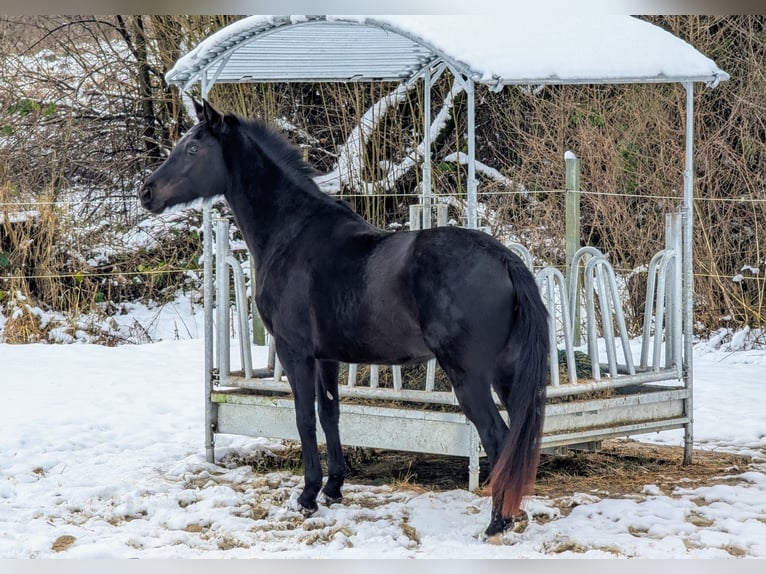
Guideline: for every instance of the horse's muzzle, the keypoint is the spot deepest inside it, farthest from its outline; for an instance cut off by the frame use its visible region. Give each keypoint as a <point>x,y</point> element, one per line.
<point>147,198</point>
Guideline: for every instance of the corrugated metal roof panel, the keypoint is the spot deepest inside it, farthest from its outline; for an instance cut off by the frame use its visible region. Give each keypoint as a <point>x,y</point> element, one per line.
<point>487,49</point>
<point>324,50</point>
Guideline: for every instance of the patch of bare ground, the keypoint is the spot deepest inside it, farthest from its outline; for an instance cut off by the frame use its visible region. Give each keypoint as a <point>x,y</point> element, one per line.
<point>619,467</point>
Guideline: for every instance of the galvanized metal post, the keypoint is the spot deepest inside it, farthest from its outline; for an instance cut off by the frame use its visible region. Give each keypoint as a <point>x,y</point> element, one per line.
<point>688,272</point>
<point>475,450</point>
<point>675,242</point>
<point>207,267</point>
<point>211,409</point>
<point>426,190</point>
<point>673,338</point>
<point>222,295</point>
<point>572,183</point>
<point>472,222</point>
<point>416,211</point>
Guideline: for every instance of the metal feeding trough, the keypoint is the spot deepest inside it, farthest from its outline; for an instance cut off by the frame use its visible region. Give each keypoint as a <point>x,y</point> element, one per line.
<point>622,396</point>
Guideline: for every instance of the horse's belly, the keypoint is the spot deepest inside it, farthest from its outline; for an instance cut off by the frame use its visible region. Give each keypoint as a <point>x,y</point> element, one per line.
<point>375,356</point>
<point>384,342</point>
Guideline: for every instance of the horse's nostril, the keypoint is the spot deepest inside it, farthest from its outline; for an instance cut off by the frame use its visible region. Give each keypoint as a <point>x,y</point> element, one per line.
<point>145,194</point>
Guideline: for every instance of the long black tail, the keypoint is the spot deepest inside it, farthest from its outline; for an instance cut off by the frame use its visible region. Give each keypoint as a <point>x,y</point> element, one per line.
<point>526,355</point>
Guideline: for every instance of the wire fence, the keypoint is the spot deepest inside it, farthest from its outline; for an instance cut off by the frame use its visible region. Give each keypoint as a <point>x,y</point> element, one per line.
<point>13,208</point>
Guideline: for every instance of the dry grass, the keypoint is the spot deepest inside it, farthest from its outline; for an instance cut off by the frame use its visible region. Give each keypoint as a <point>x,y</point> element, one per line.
<point>624,467</point>
<point>44,263</point>
<point>23,327</point>
<point>62,543</point>
<point>619,468</point>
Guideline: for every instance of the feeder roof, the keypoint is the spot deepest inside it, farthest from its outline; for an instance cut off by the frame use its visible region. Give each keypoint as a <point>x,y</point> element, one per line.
<point>488,49</point>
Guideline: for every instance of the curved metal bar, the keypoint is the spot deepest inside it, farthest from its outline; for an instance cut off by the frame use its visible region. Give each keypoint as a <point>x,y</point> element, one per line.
<point>574,279</point>
<point>620,318</point>
<point>651,281</point>
<point>522,252</point>
<point>600,279</point>
<point>662,264</point>
<point>240,298</point>
<point>550,277</point>
<point>595,266</point>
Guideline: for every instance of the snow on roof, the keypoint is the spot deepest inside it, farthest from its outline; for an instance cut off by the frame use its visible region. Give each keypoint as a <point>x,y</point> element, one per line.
<point>489,49</point>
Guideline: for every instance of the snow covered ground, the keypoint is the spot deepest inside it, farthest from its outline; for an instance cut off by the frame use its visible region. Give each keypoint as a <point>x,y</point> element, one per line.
<point>101,457</point>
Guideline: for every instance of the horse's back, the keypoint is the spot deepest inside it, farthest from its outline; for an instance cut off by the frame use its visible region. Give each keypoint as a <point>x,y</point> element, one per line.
<point>463,284</point>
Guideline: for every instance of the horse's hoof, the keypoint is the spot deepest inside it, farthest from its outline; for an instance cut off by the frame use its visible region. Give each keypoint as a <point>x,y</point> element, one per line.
<point>499,525</point>
<point>307,509</point>
<point>330,500</point>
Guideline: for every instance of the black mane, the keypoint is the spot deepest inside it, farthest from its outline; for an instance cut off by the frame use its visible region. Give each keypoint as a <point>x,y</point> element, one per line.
<point>281,151</point>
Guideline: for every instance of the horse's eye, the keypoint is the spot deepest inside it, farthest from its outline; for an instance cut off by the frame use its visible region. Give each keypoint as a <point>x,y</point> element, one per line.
<point>193,148</point>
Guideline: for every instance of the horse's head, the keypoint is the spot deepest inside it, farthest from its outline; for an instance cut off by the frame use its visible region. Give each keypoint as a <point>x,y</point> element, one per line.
<point>195,168</point>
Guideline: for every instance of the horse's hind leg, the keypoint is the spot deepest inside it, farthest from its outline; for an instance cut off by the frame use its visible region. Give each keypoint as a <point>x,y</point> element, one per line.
<point>329,413</point>
<point>473,393</point>
<point>301,373</point>
<point>472,389</point>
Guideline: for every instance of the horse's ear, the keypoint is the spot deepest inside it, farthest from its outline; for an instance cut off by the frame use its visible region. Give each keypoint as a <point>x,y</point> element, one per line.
<point>198,110</point>
<point>211,115</point>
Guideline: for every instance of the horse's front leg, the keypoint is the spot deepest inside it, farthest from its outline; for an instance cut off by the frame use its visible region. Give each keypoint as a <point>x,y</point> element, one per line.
<point>329,414</point>
<point>301,373</point>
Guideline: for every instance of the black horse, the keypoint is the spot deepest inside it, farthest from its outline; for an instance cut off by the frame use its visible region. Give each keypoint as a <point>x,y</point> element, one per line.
<point>331,287</point>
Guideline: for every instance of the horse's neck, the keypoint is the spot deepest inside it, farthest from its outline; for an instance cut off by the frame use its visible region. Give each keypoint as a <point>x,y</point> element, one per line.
<point>271,215</point>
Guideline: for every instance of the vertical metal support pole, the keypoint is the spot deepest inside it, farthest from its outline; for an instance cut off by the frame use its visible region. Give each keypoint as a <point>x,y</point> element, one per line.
<point>659,314</point>
<point>474,446</point>
<point>426,192</point>
<point>353,369</point>
<point>207,266</point>
<point>396,373</point>
<point>271,360</point>
<point>416,212</point>
<point>430,374</point>
<point>673,337</point>
<point>211,409</point>
<point>441,215</point>
<point>590,318</point>
<point>472,222</point>
<point>374,376</point>
<point>573,231</point>
<point>418,218</point>
<point>222,296</point>
<point>677,330</point>
<point>688,271</point>
<point>669,286</point>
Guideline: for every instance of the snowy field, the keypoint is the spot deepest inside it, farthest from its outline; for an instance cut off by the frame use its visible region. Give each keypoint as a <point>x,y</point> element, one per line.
<point>101,457</point>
